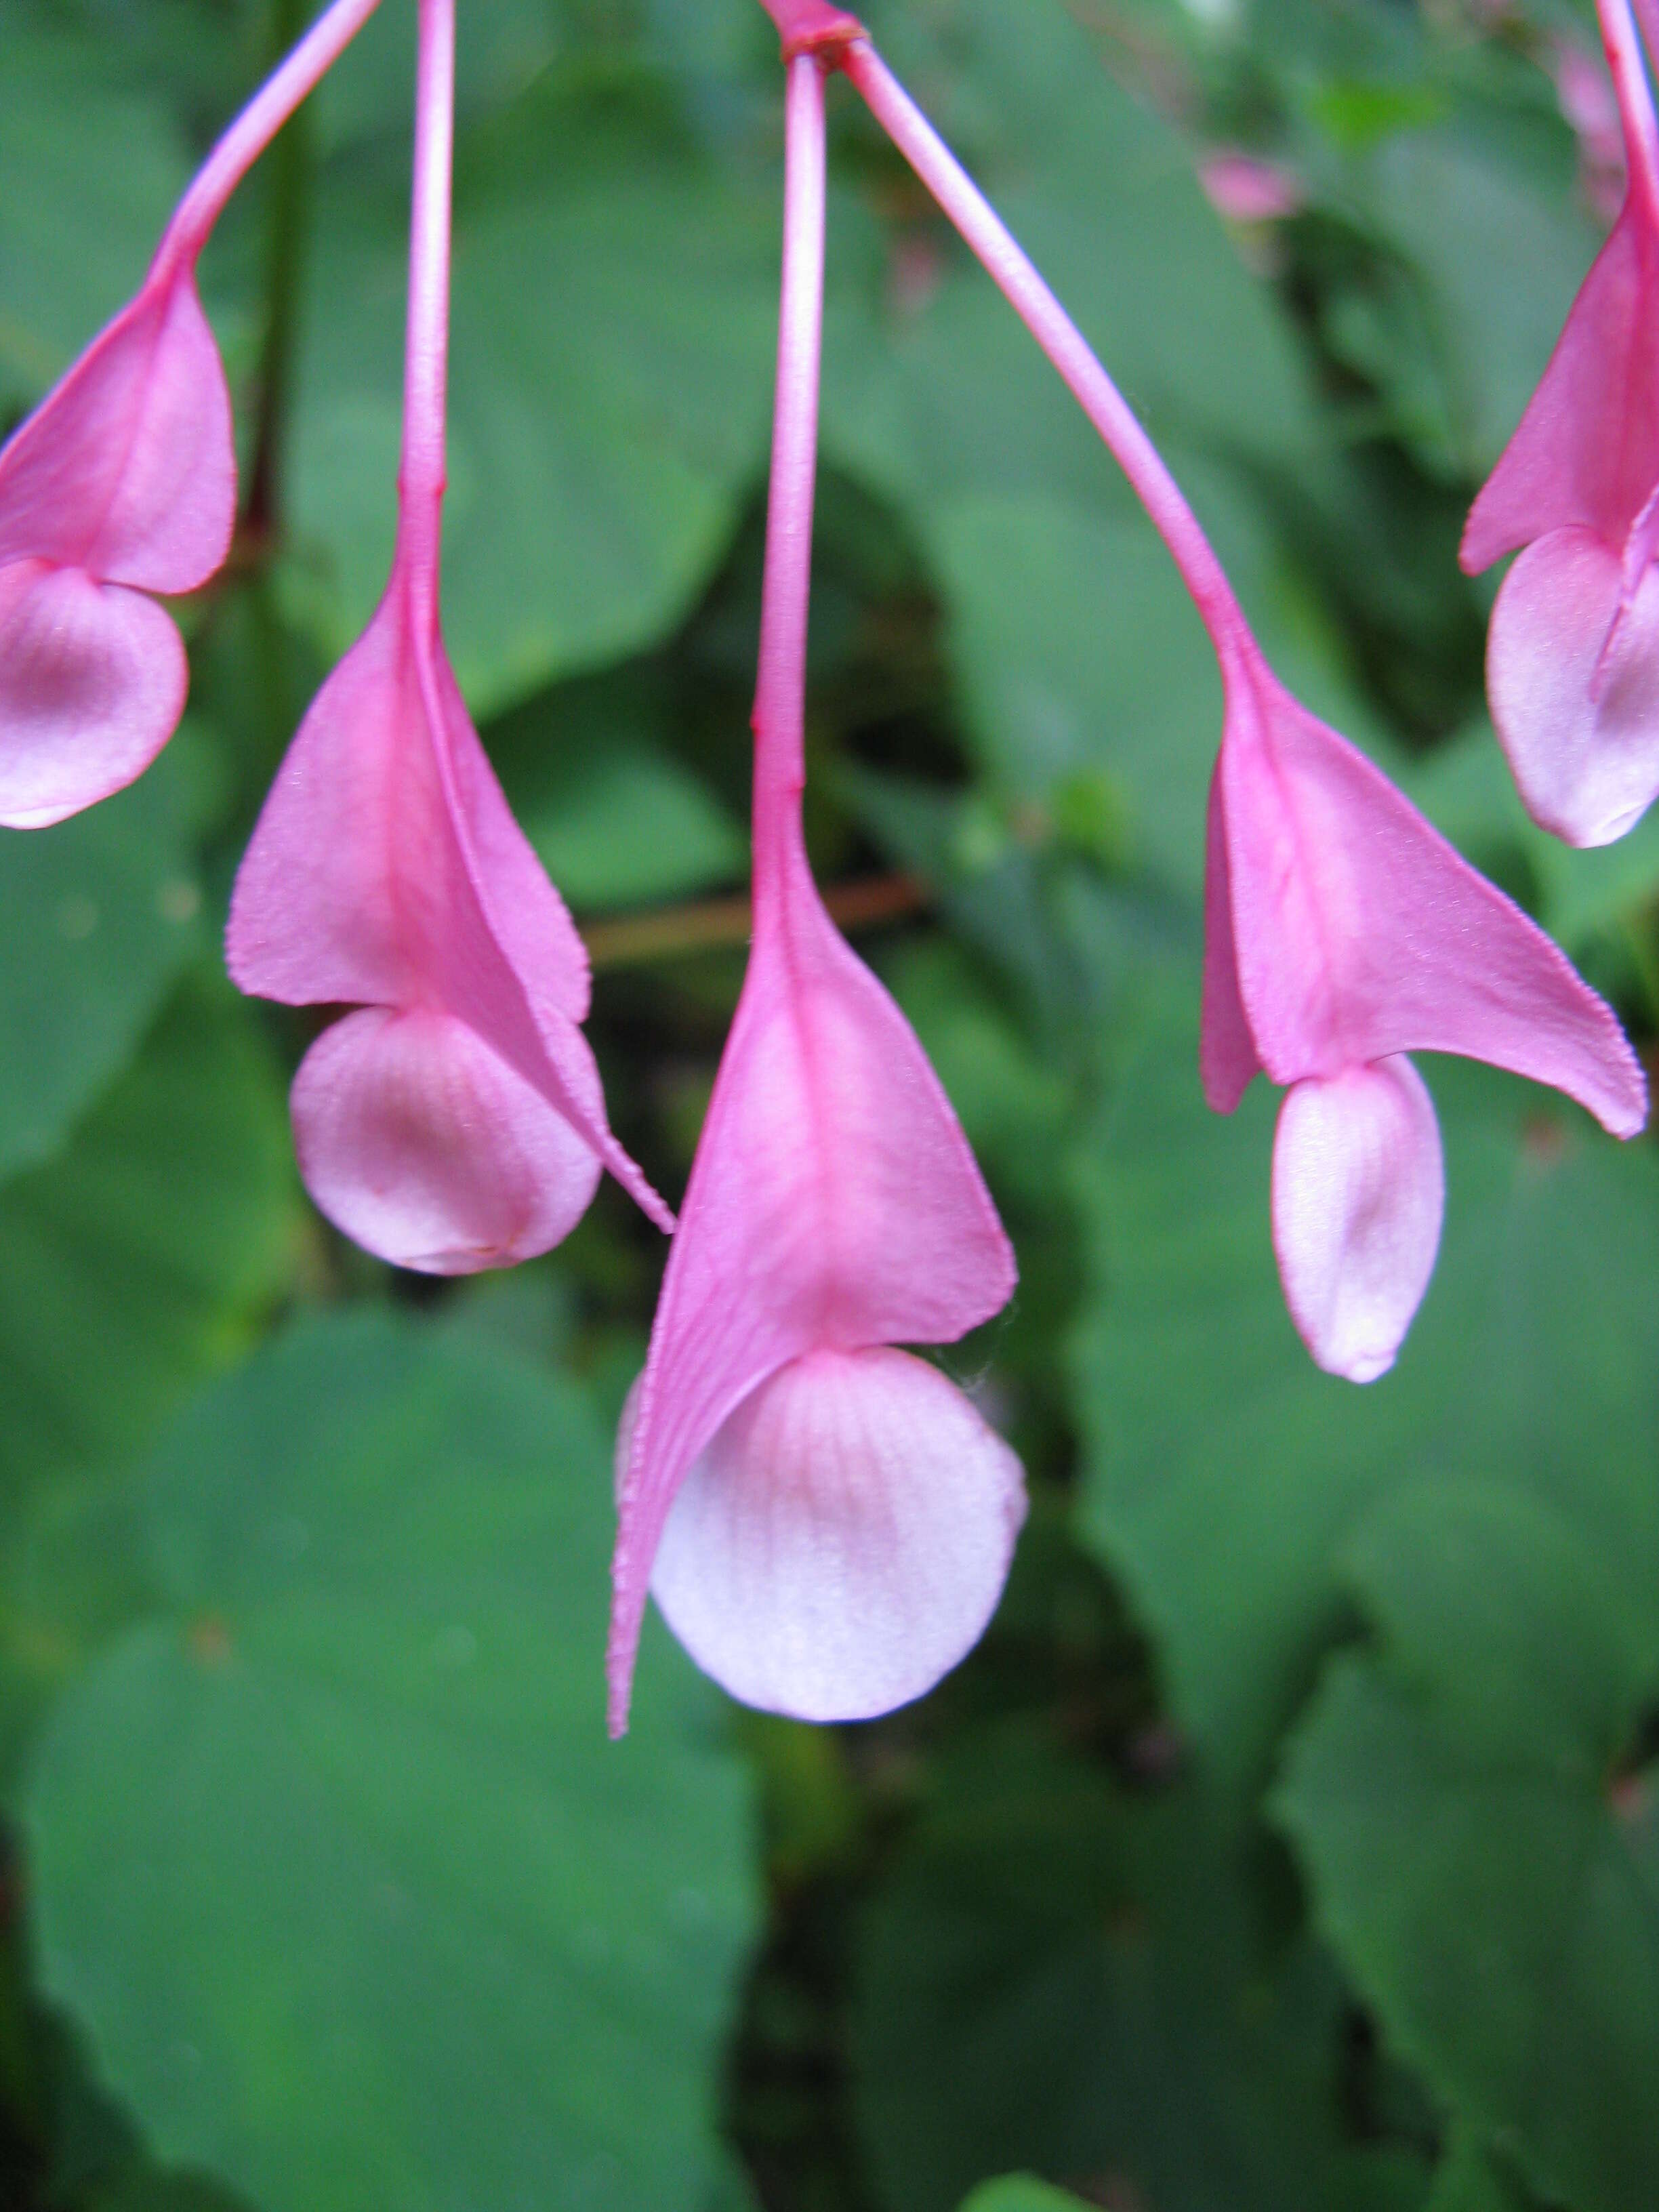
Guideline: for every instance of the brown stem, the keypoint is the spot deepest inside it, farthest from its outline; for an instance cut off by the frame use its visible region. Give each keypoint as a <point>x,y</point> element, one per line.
<point>673,930</point>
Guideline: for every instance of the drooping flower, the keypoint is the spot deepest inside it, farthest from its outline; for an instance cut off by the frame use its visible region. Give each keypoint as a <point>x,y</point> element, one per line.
<point>455,1120</point>
<point>825,1522</point>
<point>123,484</point>
<point>1341,930</point>
<point>1572,655</point>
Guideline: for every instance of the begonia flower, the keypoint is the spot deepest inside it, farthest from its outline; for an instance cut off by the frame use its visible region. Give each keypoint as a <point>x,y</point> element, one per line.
<point>1572,655</point>
<point>1341,930</point>
<point>122,483</point>
<point>825,1521</point>
<point>455,1120</point>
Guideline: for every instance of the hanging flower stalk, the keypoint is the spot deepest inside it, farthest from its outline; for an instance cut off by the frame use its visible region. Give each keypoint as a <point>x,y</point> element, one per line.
<point>825,1522</point>
<point>455,1120</point>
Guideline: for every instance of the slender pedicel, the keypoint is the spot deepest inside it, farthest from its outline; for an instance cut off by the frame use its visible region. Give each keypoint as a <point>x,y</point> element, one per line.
<point>1016,276</point>
<point>454,1120</point>
<point>241,144</point>
<point>786,590</point>
<point>824,1521</point>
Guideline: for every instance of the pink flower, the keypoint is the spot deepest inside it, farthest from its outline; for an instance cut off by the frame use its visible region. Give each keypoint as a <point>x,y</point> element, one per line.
<point>122,483</point>
<point>455,1120</point>
<point>1572,657</point>
<point>1244,188</point>
<point>1341,932</point>
<point>826,1523</point>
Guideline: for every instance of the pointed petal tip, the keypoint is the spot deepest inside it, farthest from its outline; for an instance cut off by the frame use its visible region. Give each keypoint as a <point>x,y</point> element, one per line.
<point>844,1542</point>
<point>1359,1191</point>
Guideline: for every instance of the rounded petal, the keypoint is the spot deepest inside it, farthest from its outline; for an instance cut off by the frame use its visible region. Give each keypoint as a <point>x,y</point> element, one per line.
<point>844,1539</point>
<point>426,1148</point>
<point>92,680</point>
<point>1578,717</point>
<point>1359,1190</point>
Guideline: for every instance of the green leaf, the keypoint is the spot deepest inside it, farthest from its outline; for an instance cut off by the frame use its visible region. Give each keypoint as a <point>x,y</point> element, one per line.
<point>1468,2179</point>
<point>88,174</point>
<point>1496,1897</point>
<point>949,394</point>
<point>333,1864</point>
<point>94,915</point>
<point>616,819</point>
<point>611,338</point>
<point>1500,278</point>
<point>1019,2193</point>
<point>1079,651</point>
<point>137,1259</point>
<point>1226,1473</point>
<point>1060,1976</point>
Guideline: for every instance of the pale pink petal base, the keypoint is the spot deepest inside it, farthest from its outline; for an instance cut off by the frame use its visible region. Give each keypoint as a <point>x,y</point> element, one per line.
<point>1576,704</point>
<point>843,1540</point>
<point>1358,1190</point>
<point>93,679</point>
<point>426,1148</point>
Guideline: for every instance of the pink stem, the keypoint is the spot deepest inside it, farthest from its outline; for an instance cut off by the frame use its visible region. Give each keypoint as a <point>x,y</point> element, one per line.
<point>781,689</point>
<point>246,138</point>
<point>421,472</point>
<point>1060,339</point>
<point>1630,85</point>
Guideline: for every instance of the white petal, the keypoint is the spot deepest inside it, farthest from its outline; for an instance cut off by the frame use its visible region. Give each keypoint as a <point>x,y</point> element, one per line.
<point>1358,1190</point>
<point>844,1539</point>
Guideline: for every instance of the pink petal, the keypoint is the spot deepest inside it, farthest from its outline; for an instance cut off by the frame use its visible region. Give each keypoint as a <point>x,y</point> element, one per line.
<point>127,467</point>
<point>526,914</point>
<point>426,1148</point>
<point>92,684</point>
<point>1578,718</point>
<point>842,1540</point>
<point>1587,448</point>
<point>833,1203</point>
<point>1361,933</point>
<point>1226,1052</point>
<point>1359,1191</point>
<point>362,883</point>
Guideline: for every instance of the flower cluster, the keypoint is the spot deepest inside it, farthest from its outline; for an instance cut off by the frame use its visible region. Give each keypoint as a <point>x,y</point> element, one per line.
<point>824,1518</point>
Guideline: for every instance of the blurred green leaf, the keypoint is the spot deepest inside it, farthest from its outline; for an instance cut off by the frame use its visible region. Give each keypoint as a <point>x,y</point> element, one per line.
<point>1079,649</point>
<point>94,915</point>
<point>1499,278</point>
<point>1019,2193</point>
<point>332,1861</point>
<point>89,170</point>
<point>1495,1892</point>
<point>1226,1473</point>
<point>941,392</point>
<point>137,1260</point>
<point>612,329</point>
<point>1057,1974</point>
<point>616,819</point>
<point>1469,2179</point>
